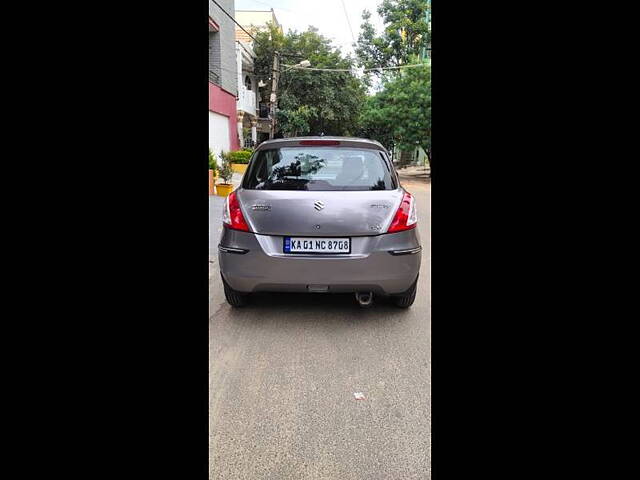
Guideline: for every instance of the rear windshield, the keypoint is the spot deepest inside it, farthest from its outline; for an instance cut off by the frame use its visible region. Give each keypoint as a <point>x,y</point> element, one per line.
<point>319,168</point>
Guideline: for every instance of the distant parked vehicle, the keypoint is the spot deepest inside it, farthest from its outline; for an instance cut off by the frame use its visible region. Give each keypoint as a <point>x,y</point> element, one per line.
<point>320,214</point>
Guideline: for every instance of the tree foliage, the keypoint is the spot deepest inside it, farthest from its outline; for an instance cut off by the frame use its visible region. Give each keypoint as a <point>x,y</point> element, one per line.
<point>374,123</point>
<point>406,35</point>
<point>400,114</point>
<point>335,103</point>
<point>309,102</point>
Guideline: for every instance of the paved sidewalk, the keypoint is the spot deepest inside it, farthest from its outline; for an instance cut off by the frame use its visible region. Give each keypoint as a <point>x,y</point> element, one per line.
<point>415,171</point>
<point>411,177</point>
<point>236,179</point>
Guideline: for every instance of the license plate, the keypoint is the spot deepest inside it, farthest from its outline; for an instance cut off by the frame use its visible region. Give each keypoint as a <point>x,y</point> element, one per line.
<point>316,245</point>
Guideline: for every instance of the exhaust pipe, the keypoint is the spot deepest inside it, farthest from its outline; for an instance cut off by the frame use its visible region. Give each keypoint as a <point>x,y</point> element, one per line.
<point>365,299</point>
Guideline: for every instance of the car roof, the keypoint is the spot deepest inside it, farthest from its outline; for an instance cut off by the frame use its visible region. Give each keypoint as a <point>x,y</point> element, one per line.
<point>344,142</point>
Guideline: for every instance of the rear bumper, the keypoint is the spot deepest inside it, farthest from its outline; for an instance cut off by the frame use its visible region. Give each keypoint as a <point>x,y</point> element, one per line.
<point>385,264</point>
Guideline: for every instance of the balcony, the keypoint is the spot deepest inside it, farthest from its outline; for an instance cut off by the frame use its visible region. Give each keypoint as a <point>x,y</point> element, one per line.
<point>247,100</point>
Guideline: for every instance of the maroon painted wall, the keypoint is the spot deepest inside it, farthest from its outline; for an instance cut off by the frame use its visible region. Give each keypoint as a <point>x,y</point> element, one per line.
<point>224,103</point>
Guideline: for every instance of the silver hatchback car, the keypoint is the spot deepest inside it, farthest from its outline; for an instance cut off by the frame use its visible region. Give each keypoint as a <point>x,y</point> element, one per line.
<point>324,215</point>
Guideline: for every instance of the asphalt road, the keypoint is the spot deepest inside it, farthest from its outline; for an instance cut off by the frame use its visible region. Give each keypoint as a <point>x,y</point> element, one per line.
<point>283,373</point>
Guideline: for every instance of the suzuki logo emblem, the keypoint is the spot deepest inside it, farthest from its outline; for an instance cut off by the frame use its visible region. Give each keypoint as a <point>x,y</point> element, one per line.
<point>318,205</point>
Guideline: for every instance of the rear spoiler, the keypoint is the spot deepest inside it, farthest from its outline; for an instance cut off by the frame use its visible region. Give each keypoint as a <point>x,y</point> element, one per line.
<point>301,142</point>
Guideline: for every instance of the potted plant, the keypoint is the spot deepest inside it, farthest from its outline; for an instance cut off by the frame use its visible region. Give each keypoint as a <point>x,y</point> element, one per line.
<point>226,173</point>
<point>240,159</point>
<point>213,171</point>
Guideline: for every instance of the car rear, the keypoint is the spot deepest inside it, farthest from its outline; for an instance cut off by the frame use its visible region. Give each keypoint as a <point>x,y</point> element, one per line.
<point>320,215</point>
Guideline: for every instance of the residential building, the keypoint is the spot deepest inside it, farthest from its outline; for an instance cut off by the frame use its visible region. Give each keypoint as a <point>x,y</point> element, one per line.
<point>223,79</point>
<point>253,21</point>
<point>247,104</point>
<point>253,121</point>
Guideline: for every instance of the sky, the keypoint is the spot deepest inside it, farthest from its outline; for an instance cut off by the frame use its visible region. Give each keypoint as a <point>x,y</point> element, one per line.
<point>328,16</point>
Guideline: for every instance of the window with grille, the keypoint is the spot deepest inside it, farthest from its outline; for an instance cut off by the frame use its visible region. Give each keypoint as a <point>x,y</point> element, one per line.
<point>214,58</point>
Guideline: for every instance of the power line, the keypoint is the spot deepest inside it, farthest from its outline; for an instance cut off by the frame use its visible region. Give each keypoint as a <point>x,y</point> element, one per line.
<point>319,69</point>
<point>297,67</point>
<point>351,69</point>
<point>348,22</point>
<point>234,20</point>
<point>394,68</point>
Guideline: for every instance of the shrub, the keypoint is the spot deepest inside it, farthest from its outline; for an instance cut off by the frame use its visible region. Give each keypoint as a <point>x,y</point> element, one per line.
<point>213,161</point>
<point>224,170</point>
<point>240,156</point>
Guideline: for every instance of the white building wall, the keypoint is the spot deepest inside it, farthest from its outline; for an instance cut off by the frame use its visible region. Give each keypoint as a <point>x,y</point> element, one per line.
<point>218,133</point>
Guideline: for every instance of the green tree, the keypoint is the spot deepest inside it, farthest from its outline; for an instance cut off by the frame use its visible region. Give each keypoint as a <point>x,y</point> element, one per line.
<point>405,38</point>
<point>400,114</point>
<point>408,106</point>
<point>267,42</point>
<point>309,102</point>
<point>374,123</point>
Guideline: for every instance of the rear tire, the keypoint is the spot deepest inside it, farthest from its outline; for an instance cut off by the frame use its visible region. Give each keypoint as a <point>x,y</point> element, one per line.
<point>234,298</point>
<point>406,299</point>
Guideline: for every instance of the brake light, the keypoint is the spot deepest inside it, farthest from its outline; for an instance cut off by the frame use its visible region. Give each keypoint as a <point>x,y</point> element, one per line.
<point>232,214</point>
<point>406,217</point>
<point>319,142</point>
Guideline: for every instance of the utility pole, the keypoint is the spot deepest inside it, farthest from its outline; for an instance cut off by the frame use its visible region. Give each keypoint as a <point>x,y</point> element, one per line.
<point>275,74</point>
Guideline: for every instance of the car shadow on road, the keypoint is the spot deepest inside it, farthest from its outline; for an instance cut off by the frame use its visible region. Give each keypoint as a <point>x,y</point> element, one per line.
<point>307,307</point>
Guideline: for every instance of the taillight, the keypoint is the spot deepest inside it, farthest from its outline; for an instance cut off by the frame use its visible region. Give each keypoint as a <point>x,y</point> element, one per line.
<point>406,217</point>
<point>232,214</point>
